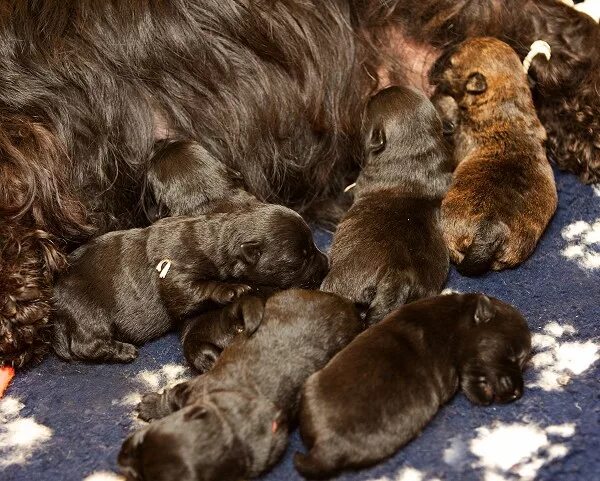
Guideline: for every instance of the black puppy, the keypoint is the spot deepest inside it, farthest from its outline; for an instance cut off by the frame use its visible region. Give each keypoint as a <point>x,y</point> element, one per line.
<point>183,178</point>
<point>389,248</point>
<point>381,391</point>
<point>205,336</point>
<point>230,423</point>
<point>128,287</point>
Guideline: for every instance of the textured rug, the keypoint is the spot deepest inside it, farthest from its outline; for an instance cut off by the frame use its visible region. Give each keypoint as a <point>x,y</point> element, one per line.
<point>66,422</point>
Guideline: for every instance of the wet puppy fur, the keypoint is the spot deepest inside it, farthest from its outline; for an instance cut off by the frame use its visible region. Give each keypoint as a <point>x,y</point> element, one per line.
<point>380,392</point>
<point>112,296</point>
<point>503,194</point>
<point>204,337</point>
<point>389,248</point>
<point>232,422</point>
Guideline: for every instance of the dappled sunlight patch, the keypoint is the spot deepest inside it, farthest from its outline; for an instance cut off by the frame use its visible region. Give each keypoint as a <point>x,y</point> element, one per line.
<point>583,244</point>
<point>20,436</point>
<point>518,450</point>
<point>556,361</point>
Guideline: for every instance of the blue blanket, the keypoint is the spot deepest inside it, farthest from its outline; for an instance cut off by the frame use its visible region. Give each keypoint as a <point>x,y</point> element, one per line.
<point>66,422</point>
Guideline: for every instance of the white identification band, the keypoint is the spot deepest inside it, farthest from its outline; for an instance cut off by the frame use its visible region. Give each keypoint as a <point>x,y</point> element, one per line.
<point>350,187</point>
<point>539,47</point>
<point>163,267</point>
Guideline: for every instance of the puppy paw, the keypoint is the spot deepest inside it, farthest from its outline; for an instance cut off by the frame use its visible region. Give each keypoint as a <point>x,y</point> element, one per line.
<point>226,293</point>
<point>125,352</point>
<point>149,407</point>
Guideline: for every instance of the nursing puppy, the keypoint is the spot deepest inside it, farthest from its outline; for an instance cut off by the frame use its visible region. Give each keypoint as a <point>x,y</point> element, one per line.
<point>503,194</point>
<point>389,248</point>
<point>127,287</point>
<point>183,178</point>
<point>204,337</point>
<point>380,392</point>
<point>231,423</point>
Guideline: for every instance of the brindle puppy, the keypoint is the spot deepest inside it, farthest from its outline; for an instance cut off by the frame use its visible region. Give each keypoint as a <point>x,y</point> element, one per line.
<point>231,423</point>
<point>183,178</point>
<point>389,248</point>
<point>503,194</point>
<point>127,287</point>
<point>380,392</point>
<point>204,337</point>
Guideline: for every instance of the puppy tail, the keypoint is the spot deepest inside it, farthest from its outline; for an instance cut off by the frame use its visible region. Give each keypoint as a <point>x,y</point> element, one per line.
<point>313,466</point>
<point>480,255</point>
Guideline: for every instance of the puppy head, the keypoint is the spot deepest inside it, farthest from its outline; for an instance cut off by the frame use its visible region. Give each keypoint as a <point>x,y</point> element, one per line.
<point>206,180</point>
<point>495,345</point>
<point>395,119</point>
<point>224,437</point>
<point>480,71</point>
<point>277,248</point>
<point>404,144</point>
<point>243,316</point>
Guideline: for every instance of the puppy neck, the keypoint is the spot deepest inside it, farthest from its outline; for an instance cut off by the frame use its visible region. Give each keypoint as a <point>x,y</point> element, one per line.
<point>409,175</point>
<point>492,119</point>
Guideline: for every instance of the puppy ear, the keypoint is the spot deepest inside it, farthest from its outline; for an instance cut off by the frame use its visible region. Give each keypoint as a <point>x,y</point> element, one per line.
<point>253,309</point>
<point>484,311</point>
<point>195,412</point>
<point>250,252</point>
<point>250,311</point>
<point>377,140</point>
<point>178,395</point>
<point>476,83</point>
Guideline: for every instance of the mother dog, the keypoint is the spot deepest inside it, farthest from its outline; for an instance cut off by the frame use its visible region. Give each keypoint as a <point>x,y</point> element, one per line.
<point>274,89</point>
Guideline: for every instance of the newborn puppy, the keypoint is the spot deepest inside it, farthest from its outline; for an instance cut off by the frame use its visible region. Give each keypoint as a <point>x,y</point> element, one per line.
<point>389,248</point>
<point>503,194</point>
<point>204,337</point>
<point>380,392</point>
<point>128,287</point>
<point>185,179</point>
<point>230,423</point>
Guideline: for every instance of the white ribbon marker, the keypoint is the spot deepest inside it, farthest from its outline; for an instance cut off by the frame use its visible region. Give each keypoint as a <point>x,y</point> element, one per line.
<point>350,187</point>
<point>163,267</point>
<point>539,47</point>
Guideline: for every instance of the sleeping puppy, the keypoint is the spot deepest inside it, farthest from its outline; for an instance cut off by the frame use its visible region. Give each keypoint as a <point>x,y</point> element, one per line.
<point>380,392</point>
<point>205,336</point>
<point>389,248</point>
<point>503,194</point>
<point>231,423</point>
<point>127,287</point>
<point>183,178</point>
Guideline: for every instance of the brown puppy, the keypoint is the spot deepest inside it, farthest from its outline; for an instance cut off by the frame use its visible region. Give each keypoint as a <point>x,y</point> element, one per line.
<point>389,248</point>
<point>503,194</point>
<point>380,392</point>
<point>231,423</point>
<point>127,287</point>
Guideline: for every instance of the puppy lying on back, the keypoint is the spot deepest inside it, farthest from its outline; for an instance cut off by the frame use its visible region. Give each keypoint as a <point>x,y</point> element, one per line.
<point>127,287</point>
<point>503,194</point>
<point>205,336</point>
<point>183,178</point>
<point>389,248</point>
<point>380,391</point>
<point>230,423</point>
